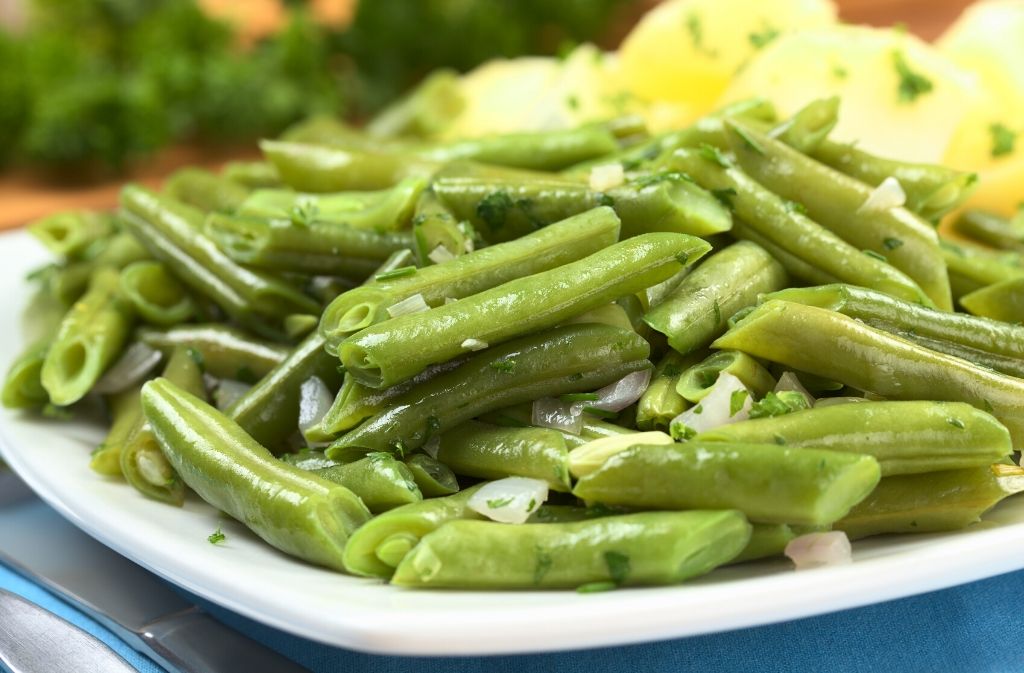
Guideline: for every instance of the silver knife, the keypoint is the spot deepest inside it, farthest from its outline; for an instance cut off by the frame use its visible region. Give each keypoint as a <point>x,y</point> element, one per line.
<point>33,640</point>
<point>137,606</point>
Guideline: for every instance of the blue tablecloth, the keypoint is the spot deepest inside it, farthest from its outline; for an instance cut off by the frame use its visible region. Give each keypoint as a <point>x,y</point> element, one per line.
<point>975,627</point>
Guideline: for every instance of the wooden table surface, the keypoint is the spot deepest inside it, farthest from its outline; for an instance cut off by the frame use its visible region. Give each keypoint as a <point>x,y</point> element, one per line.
<point>26,195</point>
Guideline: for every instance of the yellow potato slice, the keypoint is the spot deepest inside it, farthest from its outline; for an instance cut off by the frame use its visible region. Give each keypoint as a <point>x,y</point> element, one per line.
<point>900,96</point>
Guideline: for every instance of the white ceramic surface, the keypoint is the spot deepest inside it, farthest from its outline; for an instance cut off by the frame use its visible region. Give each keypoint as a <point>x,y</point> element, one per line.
<point>249,577</point>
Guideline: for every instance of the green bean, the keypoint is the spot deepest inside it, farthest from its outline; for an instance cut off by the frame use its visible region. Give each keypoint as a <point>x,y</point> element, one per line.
<point>434,226</point>
<point>317,247</point>
<point>589,457</point>
<point>767,482</point>
<point>126,417</point>
<point>781,223</point>
<point>991,229</point>
<point>836,201</point>
<point>660,403</point>
<point>534,150</point>
<point>68,282</point>
<point>89,339</point>
<point>225,352</point>
<point>838,347</point>
<point>1002,301</point>
<point>491,452</point>
<point>573,358</point>
<point>172,233</point>
<point>972,268</point>
<point>318,169</point>
<point>905,437</point>
<point>809,127</point>
<point>766,540</point>
<point>384,210</point>
<point>521,416</point>
<point>727,281</point>
<point>506,208</point>
<point>300,325</point>
<point>329,130</point>
<point>252,174</point>
<point>931,502</point>
<point>986,342</point>
<point>377,547</point>
<point>140,460</point>
<point>156,295</point>
<point>551,247</point>
<point>796,267</point>
<point>424,112</point>
<point>381,481</point>
<point>696,382</point>
<point>205,190</point>
<point>309,460</point>
<point>432,476</point>
<point>383,355</point>
<point>295,511</point>
<point>23,386</point>
<point>626,550</point>
<point>70,234</point>
<point>932,190</point>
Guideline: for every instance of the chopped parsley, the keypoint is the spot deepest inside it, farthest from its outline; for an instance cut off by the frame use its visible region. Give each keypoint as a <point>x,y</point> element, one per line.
<point>683,258</point>
<point>736,401</point>
<point>1003,139</point>
<point>778,404</point>
<point>503,365</point>
<point>748,141</point>
<point>498,503</point>
<point>714,155</point>
<point>759,40</point>
<point>572,102</point>
<point>579,397</point>
<point>681,432</point>
<point>875,255</point>
<point>840,72</point>
<point>493,209</point>
<point>197,357</point>
<point>698,410</point>
<point>912,84</point>
<point>724,196</point>
<point>400,272</point>
<point>696,30</point>
<point>217,536</point>
<point>605,200</point>
<point>795,207</point>
<point>618,566</point>
<point>780,440</point>
<point>892,243</point>
<point>304,214</point>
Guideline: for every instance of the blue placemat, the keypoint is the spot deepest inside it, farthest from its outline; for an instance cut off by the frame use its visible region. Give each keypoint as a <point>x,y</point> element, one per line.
<point>975,627</point>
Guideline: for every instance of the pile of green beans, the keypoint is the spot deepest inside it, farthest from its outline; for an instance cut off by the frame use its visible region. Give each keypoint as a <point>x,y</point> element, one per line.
<point>351,345</point>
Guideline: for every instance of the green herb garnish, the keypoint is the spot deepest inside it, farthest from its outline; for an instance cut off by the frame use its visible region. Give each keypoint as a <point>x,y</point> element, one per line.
<point>1003,139</point>
<point>736,401</point>
<point>713,154</point>
<point>618,566</point>
<point>892,243</point>
<point>217,536</point>
<point>493,209</point>
<point>875,255</point>
<point>400,272</point>
<point>912,84</point>
<point>503,365</point>
<point>579,397</point>
<point>498,503</point>
<point>761,39</point>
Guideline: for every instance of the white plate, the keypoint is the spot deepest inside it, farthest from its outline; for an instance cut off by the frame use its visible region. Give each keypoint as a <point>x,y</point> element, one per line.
<point>247,576</point>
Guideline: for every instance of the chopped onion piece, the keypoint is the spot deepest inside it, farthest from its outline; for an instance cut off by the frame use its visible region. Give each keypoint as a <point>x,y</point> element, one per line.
<point>413,304</point>
<point>315,399</point>
<point>133,365</point>
<point>606,176</point>
<point>588,457</point>
<point>789,381</point>
<point>510,500</point>
<point>440,255</point>
<point>819,549</point>
<point>474,344</point>
<point>549,412</point>
<point>728,401</point>
<point>227,393</point>
<point>624,392</point>
<point>885,196</point>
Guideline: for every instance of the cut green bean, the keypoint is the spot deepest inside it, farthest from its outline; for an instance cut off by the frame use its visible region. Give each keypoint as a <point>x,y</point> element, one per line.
<point>490,452</point>
<point>972,268</point>
<point>433,227</point>
<point>253,174</point>
<point>809,127</point>
<point>696,382</point>
<point>1002,301</point>
<point>125,419</point>
<point>661,402</point>
<point>157,296</point>
<point>23,385</point>
<point>205,190</point>
<point>766,540</point>
<point>991,229</point>
<point>434,478</point>
<point>224,352</point>
<point>70,234</point>
<point>381,481</point>
<point>318,169</point>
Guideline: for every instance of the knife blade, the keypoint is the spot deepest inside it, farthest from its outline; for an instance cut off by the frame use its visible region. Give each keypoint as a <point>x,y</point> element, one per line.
<point>137,606</point>
<point>33,639</point>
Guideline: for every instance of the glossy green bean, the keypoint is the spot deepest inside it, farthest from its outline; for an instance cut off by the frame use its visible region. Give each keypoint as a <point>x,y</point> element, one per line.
<point>252,174</point>
<point>932,502</point>
<point>698,309</point>
<point>766,540</point>
<point>377,547</point>
<point>991,229</point>
<point>205,190</point>
<point>23,385</point>
<point>434,226</point>
<point>1002,301</point>
<point>554,246</point>
<point>836,202</point>
<point>398,349</point>
<point>319,169</point>
<point>809,127</point>
<point>157,296</point>
<point>972,268</point>
<point>381,481</point>
<point>838,347</point>
<point>89,339</point>
<point>505,208</point>
<point>492,452</point>
<point>70,234</point>
<point>125,418</point>
<point>797,268</point>
<point>295,511</point>
<point>626,550</point>
<point>781,223</point>
<point>434,478</point>
<point>225,352</point>
<point>573,358</point>
<point>534,150</point>
<point>905,437</point>
<point>767,482</point>
<point>986,342</point>
<point>661,402</point>
<point>696,382</point>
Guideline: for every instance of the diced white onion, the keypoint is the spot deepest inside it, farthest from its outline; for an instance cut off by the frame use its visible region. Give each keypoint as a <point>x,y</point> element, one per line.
<point>624,392</point>
<point>789,382</point>
<point>227,392</point>
<point>413,304</point>
<point>440,254</point>
<point>133,365</point>
<point>588,457</point>
<point>549,412</point>
<point>510,500</point>
<point>315,399</point>
<point>606,176</point>
<point>885,196</point>
<point>819,549</point>
<point>714,410</point>
<point>474,344</point>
